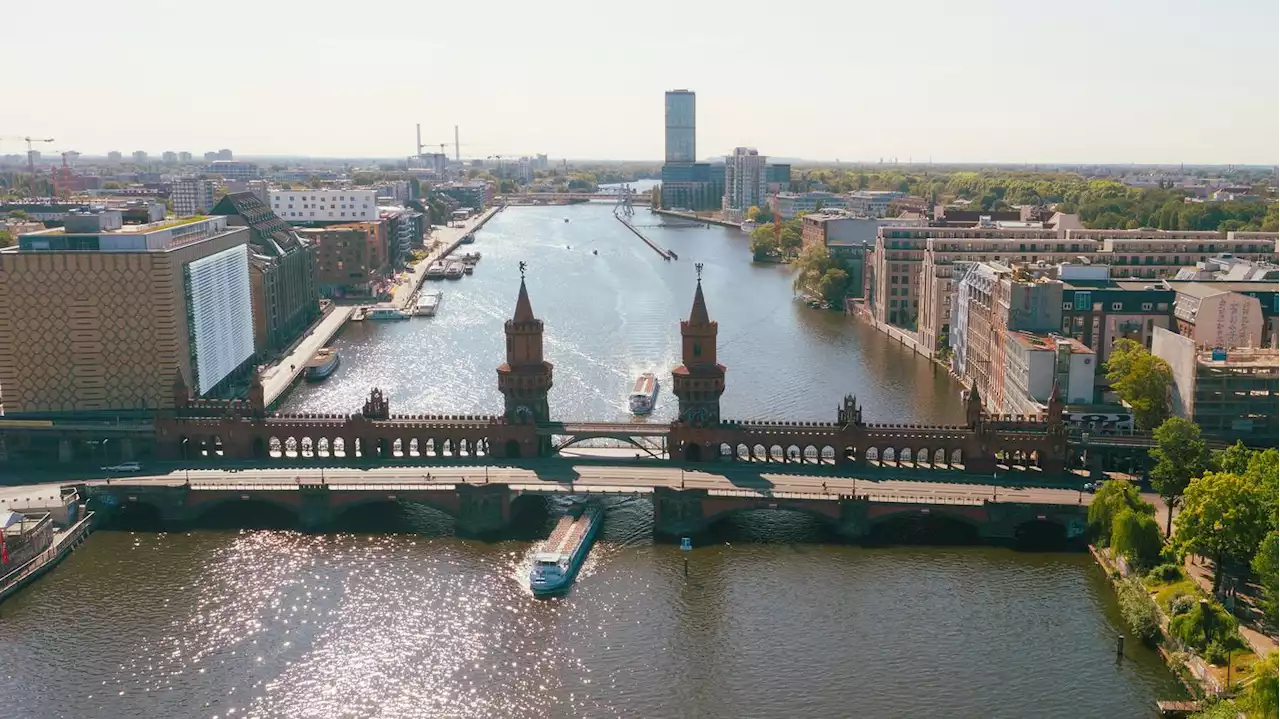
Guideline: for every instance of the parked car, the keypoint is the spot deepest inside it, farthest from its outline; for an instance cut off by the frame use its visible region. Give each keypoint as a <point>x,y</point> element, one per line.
<point>124,467</point>
<point>1092,487</point>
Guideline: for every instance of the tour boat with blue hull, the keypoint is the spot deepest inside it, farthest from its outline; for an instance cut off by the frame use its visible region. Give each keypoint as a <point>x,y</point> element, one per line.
<point>322,365</point>
<point>557,565</point>
<point>645,394</point>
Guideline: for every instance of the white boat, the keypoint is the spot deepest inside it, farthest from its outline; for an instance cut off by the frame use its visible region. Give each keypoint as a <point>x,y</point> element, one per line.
<point>428,303</point>
<point>749,225</point>
<point>454,271</point>
<point>437,270</point>
<point>645,394</point>
<point>386,311</point>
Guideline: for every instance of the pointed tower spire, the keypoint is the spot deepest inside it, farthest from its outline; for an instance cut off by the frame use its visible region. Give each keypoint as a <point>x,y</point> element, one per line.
<point>524,310</point>
<point>973,410</point>
<point>698,315</point>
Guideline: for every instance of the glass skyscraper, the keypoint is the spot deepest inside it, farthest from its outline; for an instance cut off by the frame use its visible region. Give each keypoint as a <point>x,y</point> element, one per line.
<point>681,113</point>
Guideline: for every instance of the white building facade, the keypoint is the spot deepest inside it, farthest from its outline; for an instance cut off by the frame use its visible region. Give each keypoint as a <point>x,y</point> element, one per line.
<point>744,181</point>
<point>191,196</point>
<point>325,205</point>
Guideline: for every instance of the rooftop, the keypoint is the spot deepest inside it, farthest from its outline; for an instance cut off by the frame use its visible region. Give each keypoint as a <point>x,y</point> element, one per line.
<point>166,224</point>
<point>1047,343</point>
<point>1247,357</point>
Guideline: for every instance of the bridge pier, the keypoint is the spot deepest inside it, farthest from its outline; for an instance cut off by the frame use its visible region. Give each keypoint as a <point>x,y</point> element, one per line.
<point>678,513</point>
<point>484,510</point>
<point>65,453</point>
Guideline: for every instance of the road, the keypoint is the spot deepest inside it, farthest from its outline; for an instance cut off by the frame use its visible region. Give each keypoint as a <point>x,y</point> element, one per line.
<point>586,478</point>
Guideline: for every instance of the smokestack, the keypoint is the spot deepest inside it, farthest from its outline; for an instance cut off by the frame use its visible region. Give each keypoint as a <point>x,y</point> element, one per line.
<point>419,138</point>
<point>457,154</point>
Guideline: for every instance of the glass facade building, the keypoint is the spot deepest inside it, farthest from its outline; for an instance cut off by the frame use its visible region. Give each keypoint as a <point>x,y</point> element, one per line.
<point>219,316</point>
<point>681,114</point>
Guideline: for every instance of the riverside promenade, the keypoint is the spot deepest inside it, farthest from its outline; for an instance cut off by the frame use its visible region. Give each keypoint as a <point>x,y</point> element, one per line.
<point>280,376</point>
<point>446,240</point>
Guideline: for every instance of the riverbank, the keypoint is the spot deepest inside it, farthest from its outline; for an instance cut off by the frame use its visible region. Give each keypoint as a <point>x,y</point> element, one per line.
<point>1200,677</point>
<point>444,240</point>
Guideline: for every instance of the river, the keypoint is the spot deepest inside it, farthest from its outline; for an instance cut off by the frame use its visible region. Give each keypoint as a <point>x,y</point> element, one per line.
<point>395,617</point>
<point>612,309</point>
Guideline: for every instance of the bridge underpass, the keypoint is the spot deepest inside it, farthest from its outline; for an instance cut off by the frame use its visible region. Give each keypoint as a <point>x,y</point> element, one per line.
<point>649,439</point>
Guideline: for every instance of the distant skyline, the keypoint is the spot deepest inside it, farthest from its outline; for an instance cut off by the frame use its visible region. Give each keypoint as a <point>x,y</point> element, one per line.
<point>1137,81</point>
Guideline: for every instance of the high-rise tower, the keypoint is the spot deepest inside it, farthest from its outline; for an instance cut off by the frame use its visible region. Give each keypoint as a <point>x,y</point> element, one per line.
<point>699,382</point>
<point>681,116</point>
<point>525,378</point>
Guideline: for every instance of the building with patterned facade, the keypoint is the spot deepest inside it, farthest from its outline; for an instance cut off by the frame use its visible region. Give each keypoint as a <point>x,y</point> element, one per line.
<point>100,317</point>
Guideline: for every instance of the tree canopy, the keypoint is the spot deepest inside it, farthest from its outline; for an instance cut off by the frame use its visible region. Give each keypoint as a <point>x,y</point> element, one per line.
<point>1141,380</point>
<point>1115,496</point>
<point>1224,516</point>
<point>1180,455</point>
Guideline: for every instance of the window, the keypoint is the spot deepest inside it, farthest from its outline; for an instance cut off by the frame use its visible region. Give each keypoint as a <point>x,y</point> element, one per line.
<point>1146,306</point>
<point>1083,300</point>
<point>1116,306</point>
<point>1066,305</point>
<point>1162,306</point>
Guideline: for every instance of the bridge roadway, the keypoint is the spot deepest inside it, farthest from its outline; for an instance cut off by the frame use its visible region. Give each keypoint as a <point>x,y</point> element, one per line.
<point>580,479</point>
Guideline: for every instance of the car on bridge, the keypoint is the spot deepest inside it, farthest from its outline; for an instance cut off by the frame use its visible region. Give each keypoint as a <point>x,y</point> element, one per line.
<point>123,467</point>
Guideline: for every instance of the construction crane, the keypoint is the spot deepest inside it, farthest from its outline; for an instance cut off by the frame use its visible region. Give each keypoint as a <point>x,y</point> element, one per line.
<point>31,157</point>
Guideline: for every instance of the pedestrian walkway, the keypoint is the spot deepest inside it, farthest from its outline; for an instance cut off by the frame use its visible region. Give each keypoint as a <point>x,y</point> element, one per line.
<point>446,240</point>
<point>279,377</point>
<point>1203,576</point>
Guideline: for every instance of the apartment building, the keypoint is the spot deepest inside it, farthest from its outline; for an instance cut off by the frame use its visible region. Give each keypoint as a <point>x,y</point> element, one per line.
<point>792,204</point>
<point>191,196</point>
<point>1149,254</point>
<point>229,169</point>
<point>849,240</point>
<point>1034,362</point>
<point>102,317</point>
<point>744,182</point>
<point>350,258</point>
<point>306,205</point>
<point>1211,315</point>
<point>873,203</point>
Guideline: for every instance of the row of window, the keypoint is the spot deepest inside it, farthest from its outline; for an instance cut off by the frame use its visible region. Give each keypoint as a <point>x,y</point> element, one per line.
<point>343,198</point>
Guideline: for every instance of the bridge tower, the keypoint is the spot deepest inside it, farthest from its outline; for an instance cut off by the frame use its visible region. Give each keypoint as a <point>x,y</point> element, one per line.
<point>699,381</point>
<point>525,378</point>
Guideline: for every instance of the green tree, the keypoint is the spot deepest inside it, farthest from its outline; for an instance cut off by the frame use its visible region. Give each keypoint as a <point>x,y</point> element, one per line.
<point>1233,459</point>
<point>791,238</point>
<point>1115,496</point>
<point>832,284</point>
<point>1224,516</point>
<point>1261,698</point>
<point>812,262</point>
<point>1205,623</point>
<point>6,238</point>
<point>1264,567</point>
<point>1136,537</point>
<point>763,243</point>
<point>1180,455</point>
<point>1142,381</point>
<point>752,213</point>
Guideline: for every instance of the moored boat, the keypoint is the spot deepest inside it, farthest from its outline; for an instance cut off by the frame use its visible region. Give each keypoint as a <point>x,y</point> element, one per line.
<point>645,394</point>
<point>322,365</point>
<point>555,568</point>
<point>386,311</point>
<point>468,238</point>
<point>428,303</point>
<point>454,271</point>
<point>437,270</point>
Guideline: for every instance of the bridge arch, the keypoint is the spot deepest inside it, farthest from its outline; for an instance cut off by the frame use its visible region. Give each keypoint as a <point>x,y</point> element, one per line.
<point>781,506</point>
<point>932,525</point>
<point>572,440</point>
<point>270,513</point>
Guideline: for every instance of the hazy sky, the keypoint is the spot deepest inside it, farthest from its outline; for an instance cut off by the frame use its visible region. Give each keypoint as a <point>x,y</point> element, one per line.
<point>1009,81</point>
